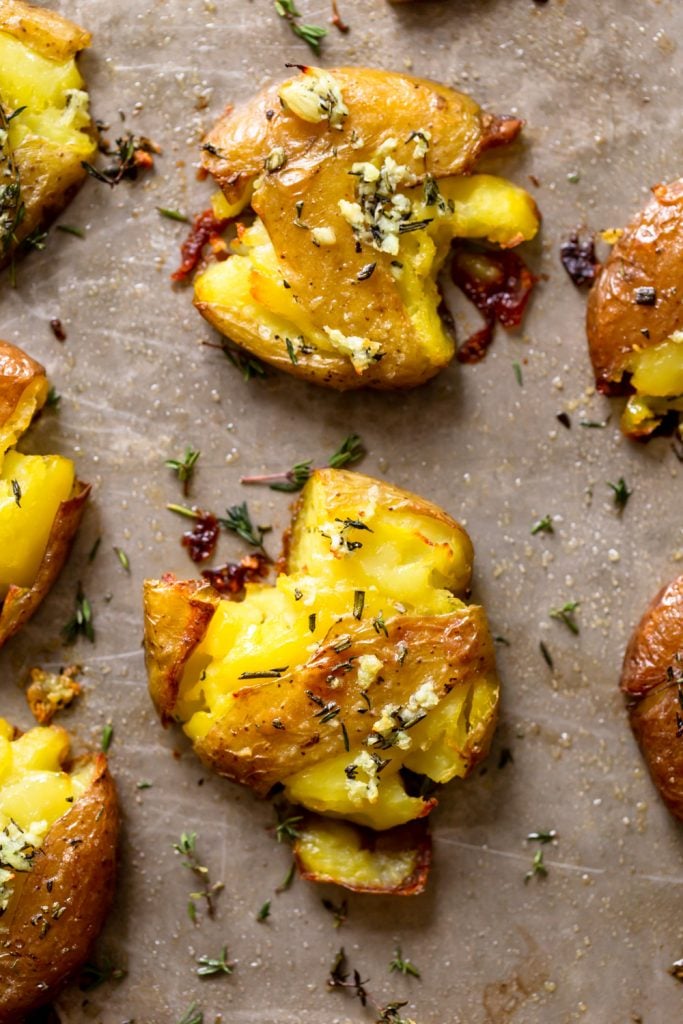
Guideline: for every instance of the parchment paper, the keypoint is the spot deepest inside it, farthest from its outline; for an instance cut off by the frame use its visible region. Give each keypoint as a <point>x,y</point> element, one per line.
<point>599,87</point>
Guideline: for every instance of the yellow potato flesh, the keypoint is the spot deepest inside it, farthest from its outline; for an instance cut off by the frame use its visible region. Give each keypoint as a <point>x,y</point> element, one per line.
<point>657,376</point>
<point>331,849</point>
<point>408,563</point>
<point>51,91</point>
<point>248,287</point>
<point>34,789</point>
<point>43,481</point>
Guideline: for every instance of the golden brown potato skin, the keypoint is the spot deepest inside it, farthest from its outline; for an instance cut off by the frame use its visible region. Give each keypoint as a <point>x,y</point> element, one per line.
<point>75,870</point>
<point>22,602</point>
<point>648,254</point>
<point>17,372</point>
<point>651,679</point>
<point>45,31</point>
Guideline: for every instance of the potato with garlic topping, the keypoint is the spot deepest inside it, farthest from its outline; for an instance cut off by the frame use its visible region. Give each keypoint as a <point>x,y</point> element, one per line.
<point>58,832</point>
<point>41,500</point>
<point>45,127</point>
<point>359,676</point>
<point>359,180</point>
<point>635,315</point>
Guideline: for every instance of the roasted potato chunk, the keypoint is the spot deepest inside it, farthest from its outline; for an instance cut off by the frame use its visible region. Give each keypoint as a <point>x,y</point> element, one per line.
<point>358,180</point>
<point>41,501</point>
<point>358,665</point>
<point>58,831</point>
<point>652,679</point>
<point>45,126</point>
<point>635,314</point>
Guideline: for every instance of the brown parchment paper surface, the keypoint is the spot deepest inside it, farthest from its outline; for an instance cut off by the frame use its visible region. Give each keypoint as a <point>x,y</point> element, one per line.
<point>599,87</point>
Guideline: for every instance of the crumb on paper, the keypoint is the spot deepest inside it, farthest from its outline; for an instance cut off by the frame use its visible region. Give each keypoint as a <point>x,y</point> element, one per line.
<point>50,692</point>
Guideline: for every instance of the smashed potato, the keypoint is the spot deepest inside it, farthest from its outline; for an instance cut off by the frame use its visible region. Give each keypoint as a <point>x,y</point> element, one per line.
<point>41,501</point>
<point>359,181</point>
<point>357,672</point>
<point>635,314</point>
<point>652,679</point>
<point>45,127</point>
<point>58,831</point>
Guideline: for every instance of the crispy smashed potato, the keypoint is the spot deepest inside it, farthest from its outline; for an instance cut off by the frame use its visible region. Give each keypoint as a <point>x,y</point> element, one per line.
<point>41,501</point>
<point>652,679</point>
<point>358,666</point>
<point>50,692</point>
<point>635,314</point>
<point>359,181</point>
<point>45,126</point>
<point>58,831</point>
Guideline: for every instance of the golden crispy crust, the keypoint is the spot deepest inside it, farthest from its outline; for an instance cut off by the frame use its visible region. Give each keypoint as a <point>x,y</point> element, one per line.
<point>22,602</point>
<point>46,32</point>
<point>648,254</point>
<point>39,949</point>
<point>18,373</point>
<point>177,615</point>
<point>397,841</point>
<point>651,679</point>
<point>245,746</point>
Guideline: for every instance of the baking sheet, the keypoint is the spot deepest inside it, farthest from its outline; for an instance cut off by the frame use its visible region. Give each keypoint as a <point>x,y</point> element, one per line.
<point>599,86</point>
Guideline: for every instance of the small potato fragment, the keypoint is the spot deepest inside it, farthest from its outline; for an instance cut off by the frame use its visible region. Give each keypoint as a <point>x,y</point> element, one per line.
<point>50,692</point>
<point>359,180</point>
<point>635,314</point>
<point>395,863</point>
<point>652,679</point>
<point>358,670</point>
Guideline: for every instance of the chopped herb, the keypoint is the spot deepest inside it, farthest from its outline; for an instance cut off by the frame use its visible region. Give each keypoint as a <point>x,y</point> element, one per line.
<point>219,965</point>
<point>193,1016</point>
<point>547,656</point>
<point>345,735</point>
<point>544,525</point>
<point>123,558</point>
<point>366,272</point>
<point>502,640</point>
<point>518,373</point>
<point>311,622</point>
<point>351,450</point>
<point>563,418</point>
<point>277,724</point>
<point>339,978</point>
<point>53,399</point>
<point>565,614</point>
<point>107,737</point>
<point>271,673</point>
<point>93,975</point>
<point>289,481</point>
<point>538,868</point>
<point>36,240</point>
<point>379,625</point>
<point>543,836</point>
<point>358,603</point>
<point>94,549</point>
<point>131,153</point>
<point>285,828</point>
<point>342,644</point>
<point>264,912</point>
<point>340,911</point>
<point>237,520</point>
<point>286,882</point>
<point>646,296</point>
<point>402,966</point>
<point>505,758</point>
<point>183,510</point>
<point>16,491</point>
<point>312,35</point>
<point>187,847</point>
<point>249,366</point>
<point>184,468</point>
<point>143,784</point>
<point>81,623</point>
<point>57,329</point>
<point>594,424</point>
<point>276,160</point>
<point>173,215</point>
<point>405,227</point>
<point>293,358</point>
<point>298,594</point>
<point>69,229</point>
<point>621,494</point>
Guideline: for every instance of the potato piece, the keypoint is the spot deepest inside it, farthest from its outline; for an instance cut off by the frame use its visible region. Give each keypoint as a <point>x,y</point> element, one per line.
<point>50,692</point>
<point>635,314</point>
<point>395,862</point>
<point>359,663</point>
<point>58,832</point>
<point>652,679</point>
<point>41,502</point>
<point>356,178</point>
<point>45,143</point>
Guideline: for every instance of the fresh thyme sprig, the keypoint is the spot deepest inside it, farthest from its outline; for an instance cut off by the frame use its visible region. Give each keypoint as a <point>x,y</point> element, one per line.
<point>131,154</point>
<point>402,966</point>
<point>538,868</point>
<point>285,827</point>
<point>566,615</point>
<point>187,847</point>
<point>81,622</point>
<point>351,450</point>
<point>193,1016</point>
<point>339,978</point>
<point>313,35</point>
<point>237,520</point>
<point>543,525</point>
<point>215,965</point>
<point>621,494</point>
<point>184,467</point>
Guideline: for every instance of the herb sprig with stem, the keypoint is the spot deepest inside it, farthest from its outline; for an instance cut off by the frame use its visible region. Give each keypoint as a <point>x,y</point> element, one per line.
<point>543,525</point>
<point>566,615</point>
<point>193,1016</point>
<point>538,868</point>
<point>312,35</point>
<point>187,847</point>
<point>621,494</point>
<point>339,978</point>
<point>131,154</point>
<point>285,826</point>
<point>400,965</point>
<point>209,966</point>
<point>184,467</point>
<point>351,450</point>
<point>237,520</point>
